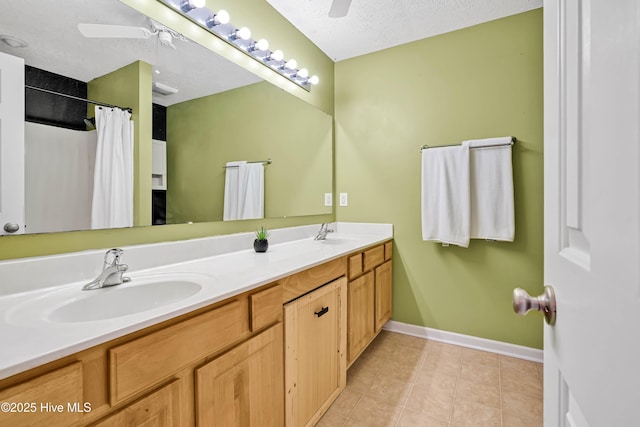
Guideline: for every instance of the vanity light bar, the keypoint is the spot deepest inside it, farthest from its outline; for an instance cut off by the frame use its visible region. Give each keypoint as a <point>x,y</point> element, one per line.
<point>218,24</point>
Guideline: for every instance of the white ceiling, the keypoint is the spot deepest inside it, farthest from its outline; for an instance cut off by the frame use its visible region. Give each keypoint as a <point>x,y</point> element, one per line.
<point>56,45</point>
<point>372,25</point>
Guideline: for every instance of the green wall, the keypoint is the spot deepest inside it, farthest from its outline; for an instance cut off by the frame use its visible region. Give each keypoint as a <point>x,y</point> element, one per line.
<point>254,122</point>
<point>478,82</point>
<point>130,86</point>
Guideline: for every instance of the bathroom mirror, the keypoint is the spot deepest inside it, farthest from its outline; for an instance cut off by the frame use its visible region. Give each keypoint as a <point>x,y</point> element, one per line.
<point>220,113</point>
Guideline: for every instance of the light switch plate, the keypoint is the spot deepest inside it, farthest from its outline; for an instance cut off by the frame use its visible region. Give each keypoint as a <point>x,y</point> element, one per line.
<point>328,199</point>
<point>344,199</point>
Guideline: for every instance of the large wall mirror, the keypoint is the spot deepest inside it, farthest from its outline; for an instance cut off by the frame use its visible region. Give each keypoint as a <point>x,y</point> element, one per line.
<point>220,113</point>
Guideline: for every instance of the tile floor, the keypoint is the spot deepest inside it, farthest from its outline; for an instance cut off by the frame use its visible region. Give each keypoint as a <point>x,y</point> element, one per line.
<point>407,381</point>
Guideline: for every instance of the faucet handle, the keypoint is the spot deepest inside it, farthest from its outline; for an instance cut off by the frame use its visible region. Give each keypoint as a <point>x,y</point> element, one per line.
<point>112,257</point>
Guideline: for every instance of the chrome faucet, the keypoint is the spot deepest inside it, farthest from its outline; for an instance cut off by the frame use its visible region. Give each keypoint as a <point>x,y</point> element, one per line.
<point>322,234</point>
<point>111,273</point>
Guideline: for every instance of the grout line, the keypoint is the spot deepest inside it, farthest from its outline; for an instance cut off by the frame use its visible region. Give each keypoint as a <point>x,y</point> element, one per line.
<point>455,389</point>
<point>500,389</point>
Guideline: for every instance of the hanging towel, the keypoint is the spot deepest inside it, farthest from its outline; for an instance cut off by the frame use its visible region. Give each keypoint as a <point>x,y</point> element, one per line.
<point>491,182</point>
<point>231,190</point>
<point>251,195</point>
<point>243,191</point>
<point>112,200</point>
<point>445,195</point>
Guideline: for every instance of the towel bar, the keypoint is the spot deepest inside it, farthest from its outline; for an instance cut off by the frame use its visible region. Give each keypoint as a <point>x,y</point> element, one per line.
<point>266,162</point>
<point>513,141</point>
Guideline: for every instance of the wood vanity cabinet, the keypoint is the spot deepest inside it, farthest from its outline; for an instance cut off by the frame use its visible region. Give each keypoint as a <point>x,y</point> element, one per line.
<point>315,360</point>
<point>166,375</point>
<point>369,297</point>
<point>275,355</point>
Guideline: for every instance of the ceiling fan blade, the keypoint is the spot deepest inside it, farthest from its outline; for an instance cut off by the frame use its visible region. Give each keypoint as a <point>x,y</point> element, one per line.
<point>339,8</point>
<point>113,31</point>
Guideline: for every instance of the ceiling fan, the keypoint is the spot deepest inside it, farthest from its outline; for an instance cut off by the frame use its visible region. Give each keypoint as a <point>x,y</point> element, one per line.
<point>165,34</point>
<point>339,8</point>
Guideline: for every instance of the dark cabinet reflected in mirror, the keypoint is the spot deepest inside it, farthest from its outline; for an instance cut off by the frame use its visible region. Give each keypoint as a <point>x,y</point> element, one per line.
<point>219,113</point>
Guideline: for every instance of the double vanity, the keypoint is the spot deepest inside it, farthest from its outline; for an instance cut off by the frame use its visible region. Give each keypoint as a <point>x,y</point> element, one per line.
<point>206,332</point>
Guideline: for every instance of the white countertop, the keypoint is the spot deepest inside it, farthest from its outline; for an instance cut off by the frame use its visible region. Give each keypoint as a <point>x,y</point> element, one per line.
<point>29,292</point>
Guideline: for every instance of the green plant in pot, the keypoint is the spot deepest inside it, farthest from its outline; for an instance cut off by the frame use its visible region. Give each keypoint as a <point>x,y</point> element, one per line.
<point>261,244</point>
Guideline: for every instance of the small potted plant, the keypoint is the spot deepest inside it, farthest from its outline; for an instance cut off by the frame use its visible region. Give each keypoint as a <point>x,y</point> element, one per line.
<point>261,244</point>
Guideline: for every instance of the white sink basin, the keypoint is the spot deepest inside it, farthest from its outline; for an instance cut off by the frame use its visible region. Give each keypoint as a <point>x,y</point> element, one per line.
<point>121,300</point>
<point>71,304</point>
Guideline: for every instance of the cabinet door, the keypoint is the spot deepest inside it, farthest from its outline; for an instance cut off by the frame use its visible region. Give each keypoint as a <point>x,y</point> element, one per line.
<point>384,280</point>
<point>160,409</point>
<point>315,342</point>
<point>45,400</point>
<point>244,387</point>
<point>360,314</point>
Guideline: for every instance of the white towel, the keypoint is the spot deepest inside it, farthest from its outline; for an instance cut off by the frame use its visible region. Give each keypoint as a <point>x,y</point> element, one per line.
<point>445,195</point>
<point>243,191</point>
<point>231,190</point>
<point>491,181</point>
<point>251,195</point>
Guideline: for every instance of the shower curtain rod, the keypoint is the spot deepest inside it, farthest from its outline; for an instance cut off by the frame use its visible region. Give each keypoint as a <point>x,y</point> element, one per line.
<point>101,104</point>
<point>513,141</point>
<point>266,162</point>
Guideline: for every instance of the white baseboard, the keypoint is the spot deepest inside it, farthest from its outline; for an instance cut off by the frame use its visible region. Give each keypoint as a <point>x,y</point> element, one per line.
<point>506,349</point>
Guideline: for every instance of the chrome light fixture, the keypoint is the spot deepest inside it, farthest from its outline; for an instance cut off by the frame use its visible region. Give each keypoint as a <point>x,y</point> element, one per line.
<point>219,25</point>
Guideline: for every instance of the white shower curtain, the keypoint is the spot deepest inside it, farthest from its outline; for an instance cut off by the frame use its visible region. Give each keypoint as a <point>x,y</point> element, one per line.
<point>112,204</point>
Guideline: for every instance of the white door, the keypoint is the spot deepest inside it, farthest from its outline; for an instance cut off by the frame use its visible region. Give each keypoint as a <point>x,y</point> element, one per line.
<point>11,144</point>
<point>592,196</point>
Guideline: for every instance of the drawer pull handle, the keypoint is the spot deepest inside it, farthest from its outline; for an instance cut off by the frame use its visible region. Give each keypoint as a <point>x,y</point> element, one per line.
<point>322,312</point>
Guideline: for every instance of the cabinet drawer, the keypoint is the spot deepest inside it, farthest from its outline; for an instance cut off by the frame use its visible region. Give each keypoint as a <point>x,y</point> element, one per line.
<point>388,251</point>
<point>355,266</point>
<point>56,390</point>
<point>141,363</point>
<point>373,257</point>
<point>266,307</point>
<point>300,283</point>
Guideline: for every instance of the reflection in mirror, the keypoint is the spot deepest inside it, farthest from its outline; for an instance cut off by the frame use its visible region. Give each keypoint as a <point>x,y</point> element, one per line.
<point>204,134</point>
<point>220,113</point>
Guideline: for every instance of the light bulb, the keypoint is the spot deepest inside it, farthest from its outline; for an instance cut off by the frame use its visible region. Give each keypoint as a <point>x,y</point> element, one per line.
<point>243,33</point>
<point>220,18</point>
<point>261,44</point>
<point>189,5</point>
<point>314,80</point>
<point>276,55</point>
<point>291,64</point>
<point>303,73</point>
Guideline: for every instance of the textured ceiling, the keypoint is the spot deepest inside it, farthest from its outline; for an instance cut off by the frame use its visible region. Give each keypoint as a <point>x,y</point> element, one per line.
<point>56,45</point>
<point>372,25</point>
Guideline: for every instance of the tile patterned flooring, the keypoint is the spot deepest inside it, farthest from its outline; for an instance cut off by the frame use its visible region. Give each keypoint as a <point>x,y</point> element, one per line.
<point>407,381</point>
